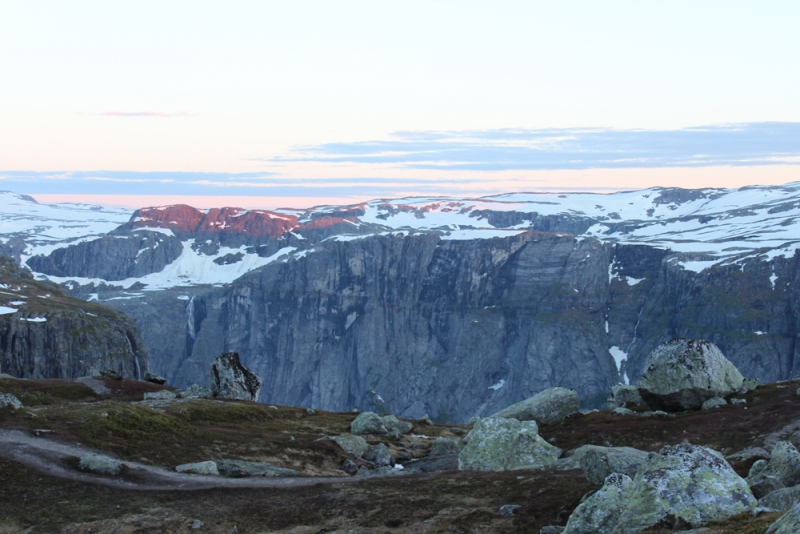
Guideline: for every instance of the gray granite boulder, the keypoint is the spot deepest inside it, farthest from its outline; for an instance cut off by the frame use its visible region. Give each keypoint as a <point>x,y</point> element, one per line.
<point>232,380</point>
<point>781,499</point>
<point>199,468</point>
<point>599,462</point>
<point>788,523</point>
<point>7,400</point>
<point>355,445</point>
<point>683,373</point>
<point>368,423</point>
<point>100,464</point>
<point>500,444</point>
<point>548,406</point>
<point>600,513</point>
<point>782,470</point>
<point>396,426</point>
<point>623,396</point>
<point>241,469</point>
<point>379,455</point>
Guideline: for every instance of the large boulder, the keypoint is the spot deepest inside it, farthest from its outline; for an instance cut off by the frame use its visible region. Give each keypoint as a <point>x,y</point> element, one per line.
<point>499,444</point>
<point>683,486</point>
<point>379,455</point>
<point>548,406</point>
<point>624,396</point>
<point>683,373</point>
<point>355,445</point>
<point>780,499</point>
<point>232,380</point>
<point>599,462</point>
<point>368,423</point>
<point>788,523</point>
<point>396,426</point>
<point>782,470</point>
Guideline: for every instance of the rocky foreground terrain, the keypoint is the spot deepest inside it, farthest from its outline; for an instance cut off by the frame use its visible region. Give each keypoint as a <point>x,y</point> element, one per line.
<point>105,455</point>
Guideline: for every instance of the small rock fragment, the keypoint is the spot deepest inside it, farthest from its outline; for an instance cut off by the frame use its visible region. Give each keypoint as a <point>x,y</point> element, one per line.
<point>507,510</point>
<point>197,525</point>
<point>100,464</point>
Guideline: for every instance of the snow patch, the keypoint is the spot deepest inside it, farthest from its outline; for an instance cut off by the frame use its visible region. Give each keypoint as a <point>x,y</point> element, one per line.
<point>633,281</point>
<point>34,319</point>
<point>6,310</point>
<point>498,385</point>
<point>619,356</point>
<point>772,279</point>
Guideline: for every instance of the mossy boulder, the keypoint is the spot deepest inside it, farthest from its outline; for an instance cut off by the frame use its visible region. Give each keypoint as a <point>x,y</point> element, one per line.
<point>684,373</point>
<point>442,446</point>
<point>788,523</point>
<point>781,499</point>
<point>368,423</point>
<point>599,514</point>
<point>99,464</point>
<point>782,470</point>
<point>548,406</point>
<point>395,426</point>
<point>499,444</point>
<point>355,445</point>
<point>599,462</point>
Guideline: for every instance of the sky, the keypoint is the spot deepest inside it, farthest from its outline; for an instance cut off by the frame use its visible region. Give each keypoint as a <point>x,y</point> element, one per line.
<point>294,104</point>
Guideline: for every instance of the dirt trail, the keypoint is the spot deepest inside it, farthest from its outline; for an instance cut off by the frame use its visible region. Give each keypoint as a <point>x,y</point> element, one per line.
<point>49,457</point>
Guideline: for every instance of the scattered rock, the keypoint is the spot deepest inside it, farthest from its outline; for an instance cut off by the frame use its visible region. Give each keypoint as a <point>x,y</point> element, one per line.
<point>507,510</point>
<point>782,470</point>
<point>7,400</point>
<point>196,392</point>
<point>272,407</point>
<point>656,413</point>
<point>368,423</point>
<point>738,401</point>
<point>714,402</point>
<point>110,373</point>
<point>100,464</point>
<point>781,499</point>
<point>426,420</point>
<point>355,445</point>
<point>199,468</point>
<point>163,395</point>
<point>379,455</point>
<point>749,384</point>
<point>232,380</point>
<point>349,467</point>
<point>241,469</point>
<point>442,446</point>
<point>197,525</point>
<point>682,374</point>
<point>623,396</point>
<point>393,424</point>
<point>788,523</point>
<point>549,406</point>
<point>599,462</point>
<point>310,411</point>
<point>154,378</point>
<point>499,444</point>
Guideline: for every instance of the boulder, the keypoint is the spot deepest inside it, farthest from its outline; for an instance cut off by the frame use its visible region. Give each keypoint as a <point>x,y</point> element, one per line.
<point>199,468</point>
<point>110,373</point>
<point>599,514</point>
<point>100,464</point>
<point>599,462</point>
<point>748,453</point>
<point>714,402</point>
<point>163,395</point>
<point>500,444</point>
<point>196,392</point>
<point>788,523</point>
<point>394,425</point>
<point>782,470</point>
<point>442,446</point>
<point>549,406</point>
<point>781,499</point>
<point>379,455</point>
<point>232,380</point>
<point>154,378</point>
<point>349,467</point>
<point>682,374</point>
<point>7,400</point>
<point>368,423</point>
<point>241,469</point>
<point>507,510</point>
<point>355,445</point>
<point>623,396</point>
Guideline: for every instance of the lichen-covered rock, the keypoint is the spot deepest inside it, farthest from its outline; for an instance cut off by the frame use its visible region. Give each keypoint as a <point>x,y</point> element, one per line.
<point>199,468</point>
<point>548,406</point>
<point>393,424</point>
<point>7,400</point>
<point>782,470</point>
<point>163,395</point>
<point>600,513</point>
<point>788,523</point>
<point>599,462</point>
<point>368,423</point>
<point>379,455</point>
<point>682,374</point>
<point>232,380</point>
<point>781,499</point>
<point>499,444</point>
<point>748,453</point>
<point>714,402</point>
<point>442,446</point>
<point>355,445</point>
<point>196,392</point>
<point>241,469</point>
<point>100,464</point>
<point>623,396</point>
<point>685,486</point>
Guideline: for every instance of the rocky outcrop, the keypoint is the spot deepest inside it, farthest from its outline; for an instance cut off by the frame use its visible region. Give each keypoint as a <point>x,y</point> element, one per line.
<point>682,374</point>
<point>685,486</point>
<point>499,444</point>
<point>549,406</point>
<point>781,471</point>
<point>232,380</point>
<point>47,334</point>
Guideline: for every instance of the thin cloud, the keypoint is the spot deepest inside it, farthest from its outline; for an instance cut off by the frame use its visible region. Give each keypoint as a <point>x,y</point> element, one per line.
<point>145,114</point>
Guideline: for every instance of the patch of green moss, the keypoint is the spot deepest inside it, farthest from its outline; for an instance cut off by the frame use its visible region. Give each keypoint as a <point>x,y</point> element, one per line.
<point>32,393</point>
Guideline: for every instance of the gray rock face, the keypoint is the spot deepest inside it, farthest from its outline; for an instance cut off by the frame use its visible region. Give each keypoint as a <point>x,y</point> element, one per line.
<point>368,423</point>
<point>199,468</point>
<point>684,486</point>
<point>241,469</point>
<point>355,445</point>
<point>100,464</point>
<point>682,374</point>
<point>549,406</point>
<point>624,397</point>
<point>499,444</point>
<point>7,400</point>
<point>232,380</point>
<point>788,523</point>
<point>782,470</point>
<point>600,462</point>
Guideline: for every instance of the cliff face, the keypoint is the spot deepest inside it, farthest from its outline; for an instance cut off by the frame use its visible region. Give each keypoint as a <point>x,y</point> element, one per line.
<point>46,334</point>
